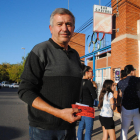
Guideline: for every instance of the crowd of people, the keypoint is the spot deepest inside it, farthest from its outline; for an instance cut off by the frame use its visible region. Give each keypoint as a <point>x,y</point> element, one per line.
<point>127,103</point>
<point>51,82</point>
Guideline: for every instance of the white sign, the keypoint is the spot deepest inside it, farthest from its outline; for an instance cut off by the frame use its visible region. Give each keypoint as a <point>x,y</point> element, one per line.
<point>117,75</point>
<point>102,19</point>
<point>102,9</point>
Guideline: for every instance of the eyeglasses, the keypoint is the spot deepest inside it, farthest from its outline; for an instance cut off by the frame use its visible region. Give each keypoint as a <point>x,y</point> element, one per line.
<point>90,71</point>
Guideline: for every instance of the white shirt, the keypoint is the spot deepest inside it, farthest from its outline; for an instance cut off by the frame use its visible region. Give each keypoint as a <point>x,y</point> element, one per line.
<point>106,110</point>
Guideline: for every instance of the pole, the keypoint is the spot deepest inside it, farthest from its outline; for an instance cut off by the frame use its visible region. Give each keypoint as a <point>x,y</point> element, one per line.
<point>24,52</point>
<point>99,2</point>
<point>68,4</point>
<point>94,72</point>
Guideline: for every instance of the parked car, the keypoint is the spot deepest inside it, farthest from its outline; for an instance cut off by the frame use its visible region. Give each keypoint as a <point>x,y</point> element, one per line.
<point>5,84</point>
<point>14,85</point>
<point>0,85</point>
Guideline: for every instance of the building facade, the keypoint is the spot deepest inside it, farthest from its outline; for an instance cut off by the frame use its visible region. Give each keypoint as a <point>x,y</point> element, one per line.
<point>125,44</point>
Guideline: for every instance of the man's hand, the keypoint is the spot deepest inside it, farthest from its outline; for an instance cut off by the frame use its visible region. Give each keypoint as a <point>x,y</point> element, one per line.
<point>69,114</point>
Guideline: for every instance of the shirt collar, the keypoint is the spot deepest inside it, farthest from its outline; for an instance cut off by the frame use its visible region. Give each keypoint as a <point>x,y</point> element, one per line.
<point>57,46</point>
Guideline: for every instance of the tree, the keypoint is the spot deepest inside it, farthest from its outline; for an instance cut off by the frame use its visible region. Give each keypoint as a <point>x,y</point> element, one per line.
<point>4,75</point>
<point>23,64</point>
<point>14,72</point>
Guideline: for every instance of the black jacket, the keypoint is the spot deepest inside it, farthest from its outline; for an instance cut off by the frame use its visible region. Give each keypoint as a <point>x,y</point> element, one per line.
<point>88,93</point>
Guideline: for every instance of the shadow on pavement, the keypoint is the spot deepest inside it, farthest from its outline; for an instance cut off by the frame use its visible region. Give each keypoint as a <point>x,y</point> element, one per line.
<point>117,122</point>
<point>132,137</point>
<point>10,133</point>
<point>97,110</point>
<point>131,129</point>
<point>96,118</point>
<point>96,131</point>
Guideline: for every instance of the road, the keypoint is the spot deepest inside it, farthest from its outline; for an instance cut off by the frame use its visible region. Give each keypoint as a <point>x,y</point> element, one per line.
<point>13,116</point>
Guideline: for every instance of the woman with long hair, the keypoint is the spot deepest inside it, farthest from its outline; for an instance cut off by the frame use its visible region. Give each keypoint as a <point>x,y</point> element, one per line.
<point>107,105</point>
<point>87,98</point>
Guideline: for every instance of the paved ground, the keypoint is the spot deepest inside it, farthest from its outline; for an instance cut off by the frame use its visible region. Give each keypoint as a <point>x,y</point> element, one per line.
<point>97,130</point>
<point>14,122</point>
<point>13,116</point>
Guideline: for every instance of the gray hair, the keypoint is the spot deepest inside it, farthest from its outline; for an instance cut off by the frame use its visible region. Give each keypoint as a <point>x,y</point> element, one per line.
<point>61,11</point>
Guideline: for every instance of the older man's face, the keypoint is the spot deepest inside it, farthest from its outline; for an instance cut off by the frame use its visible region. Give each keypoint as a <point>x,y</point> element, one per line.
<point>62,29</point>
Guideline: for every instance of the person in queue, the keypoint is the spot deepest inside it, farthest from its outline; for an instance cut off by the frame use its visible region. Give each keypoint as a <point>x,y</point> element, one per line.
<point>87,98</point>
<point>123,74</point>
<point>51,82</point>
<point>107,104</point>
<point>129,101</point>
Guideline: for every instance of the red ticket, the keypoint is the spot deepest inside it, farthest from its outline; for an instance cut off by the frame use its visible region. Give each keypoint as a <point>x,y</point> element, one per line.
<point>85,110</point>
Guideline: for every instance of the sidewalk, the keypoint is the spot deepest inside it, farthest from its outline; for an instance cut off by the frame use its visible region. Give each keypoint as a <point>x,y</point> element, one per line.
<point>97,129</point>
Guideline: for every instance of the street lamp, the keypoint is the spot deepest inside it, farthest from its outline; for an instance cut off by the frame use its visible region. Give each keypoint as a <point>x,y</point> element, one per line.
<point>24,51</point>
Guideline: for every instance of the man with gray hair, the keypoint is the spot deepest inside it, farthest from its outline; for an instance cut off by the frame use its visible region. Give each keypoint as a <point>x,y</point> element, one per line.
<point>51,82</point>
